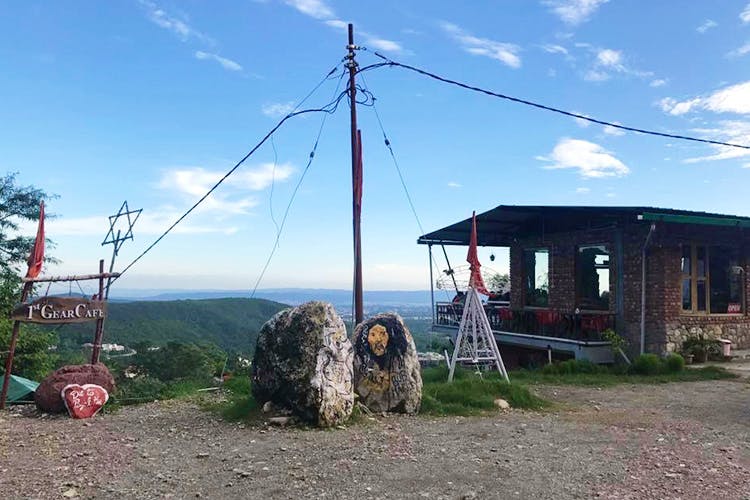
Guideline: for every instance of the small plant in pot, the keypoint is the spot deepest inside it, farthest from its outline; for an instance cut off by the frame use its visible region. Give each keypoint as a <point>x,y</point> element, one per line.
<point>700,348</point>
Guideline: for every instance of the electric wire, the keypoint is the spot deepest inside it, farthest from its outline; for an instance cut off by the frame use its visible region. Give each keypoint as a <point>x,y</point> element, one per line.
<point>388,145</point>
<point>329,108</point>
<point>391,63</point>
<point>296,187</point>
<point>273,183</point>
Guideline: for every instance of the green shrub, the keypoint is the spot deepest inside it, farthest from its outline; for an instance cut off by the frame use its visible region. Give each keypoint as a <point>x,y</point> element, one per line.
<point>572,366</point>
<point>140,390</point>
<point>675,363</point>
<point>647,364</point>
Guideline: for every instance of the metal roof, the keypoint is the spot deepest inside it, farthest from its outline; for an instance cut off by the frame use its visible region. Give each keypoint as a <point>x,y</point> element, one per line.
<point>501,225</point>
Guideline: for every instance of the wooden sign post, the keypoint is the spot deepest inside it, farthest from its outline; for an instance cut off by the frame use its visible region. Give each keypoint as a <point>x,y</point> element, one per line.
<point>56,310</point>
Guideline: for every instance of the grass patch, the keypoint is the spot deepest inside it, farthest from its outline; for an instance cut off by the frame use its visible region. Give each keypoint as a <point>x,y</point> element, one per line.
<point>470,394</point>
<point>610,376</point>
<point>239,403</point>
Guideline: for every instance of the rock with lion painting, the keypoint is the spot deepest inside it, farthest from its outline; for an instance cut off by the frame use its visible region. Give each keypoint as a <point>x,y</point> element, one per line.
<point>303,363</point>
<point>386,368</point>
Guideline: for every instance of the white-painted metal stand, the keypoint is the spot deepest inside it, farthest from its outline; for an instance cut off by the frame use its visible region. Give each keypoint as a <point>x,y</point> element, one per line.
<point>475,341</point>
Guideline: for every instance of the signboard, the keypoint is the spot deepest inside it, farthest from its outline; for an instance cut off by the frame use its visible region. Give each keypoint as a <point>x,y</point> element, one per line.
<point>60,310</point>
<point>734,308</point>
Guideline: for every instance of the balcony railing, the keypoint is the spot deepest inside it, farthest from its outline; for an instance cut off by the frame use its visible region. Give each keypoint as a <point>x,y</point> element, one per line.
<point>544,322</point>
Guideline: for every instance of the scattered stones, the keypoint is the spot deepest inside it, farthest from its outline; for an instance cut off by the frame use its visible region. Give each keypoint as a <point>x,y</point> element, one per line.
<point>303,362</point>
<point>387,375</point>
<point>47,395</point>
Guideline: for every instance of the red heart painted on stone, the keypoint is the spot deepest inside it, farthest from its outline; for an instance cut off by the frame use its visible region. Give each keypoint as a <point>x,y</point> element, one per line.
<point>84,401</point>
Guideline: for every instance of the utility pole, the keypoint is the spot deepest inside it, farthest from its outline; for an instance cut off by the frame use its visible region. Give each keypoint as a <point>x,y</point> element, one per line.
<point>356,180</point>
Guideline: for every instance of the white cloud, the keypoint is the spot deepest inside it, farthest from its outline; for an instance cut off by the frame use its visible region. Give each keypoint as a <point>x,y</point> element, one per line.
<point>179,27</point>
<point>596,76</point>
<point>745,14</point>
<point>149,223</point>
<point>382,43</point>
<point>316,9</point>
<point>507,53</point>
<point>607,62</point>
<point>338,24</point>
<point>454,185</point>
<point>580,121</point>
<point>193,182</point>
<point>574,11</point>
<point>731,131</point>
<point>278,109</point>
<point>732,99</point>
<point>707,25</point>
<point>320,10</point>
<point>660,82</point>
<point>610,130</point>
<point>583,190</point>
<point>610,58</point>
<point>554,49</point>
<point>227,64</point>
<point>591,160</point>
<point>740,51</point>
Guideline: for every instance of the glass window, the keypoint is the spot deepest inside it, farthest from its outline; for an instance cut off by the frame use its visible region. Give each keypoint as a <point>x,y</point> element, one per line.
<point>536,269</point>
<point>726,280</point>
<point>687,294</point>
<point>712,279</point>
<point>592,277</point>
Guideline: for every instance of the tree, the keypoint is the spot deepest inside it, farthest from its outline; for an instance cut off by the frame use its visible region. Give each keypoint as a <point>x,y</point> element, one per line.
<point>499,283</point>
<point>17,204</point>
<point>34,358</point>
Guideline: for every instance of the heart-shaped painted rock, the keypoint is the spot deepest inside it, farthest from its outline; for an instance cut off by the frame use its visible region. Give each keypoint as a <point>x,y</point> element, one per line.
<point>84,401</point>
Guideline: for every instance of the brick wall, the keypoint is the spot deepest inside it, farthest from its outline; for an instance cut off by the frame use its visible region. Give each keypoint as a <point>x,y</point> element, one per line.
<point>666,325</point>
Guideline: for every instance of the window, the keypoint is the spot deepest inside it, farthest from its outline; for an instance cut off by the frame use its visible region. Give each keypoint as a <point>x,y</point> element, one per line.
<point>711,279</point>
<point>592,277</point>
<point>536,269</point>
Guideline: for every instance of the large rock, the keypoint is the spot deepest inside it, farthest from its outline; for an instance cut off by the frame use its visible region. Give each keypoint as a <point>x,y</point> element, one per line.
<point>386,368</point>
<point>47,395</point>
<point>303,362</point>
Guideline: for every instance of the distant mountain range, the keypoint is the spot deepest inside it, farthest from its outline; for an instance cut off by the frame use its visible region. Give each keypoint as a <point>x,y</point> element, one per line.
<point>293,296</point>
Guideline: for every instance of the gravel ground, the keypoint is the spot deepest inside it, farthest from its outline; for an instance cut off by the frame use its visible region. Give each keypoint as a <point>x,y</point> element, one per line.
<point>687,440</point>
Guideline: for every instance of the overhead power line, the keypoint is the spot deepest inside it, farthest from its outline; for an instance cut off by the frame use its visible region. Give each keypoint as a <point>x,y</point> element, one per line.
<point>329,108</point>
<point>280,227</point>
<point>391,63</point>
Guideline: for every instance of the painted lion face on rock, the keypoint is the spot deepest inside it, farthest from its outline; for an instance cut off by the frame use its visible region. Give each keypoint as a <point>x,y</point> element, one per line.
<point>377,337</point>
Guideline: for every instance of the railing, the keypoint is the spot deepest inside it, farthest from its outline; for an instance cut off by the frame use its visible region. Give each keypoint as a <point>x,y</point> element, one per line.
<point>544,322</point>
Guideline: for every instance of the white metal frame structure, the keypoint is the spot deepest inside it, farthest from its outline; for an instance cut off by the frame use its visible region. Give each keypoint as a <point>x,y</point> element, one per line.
<point>475,341</point>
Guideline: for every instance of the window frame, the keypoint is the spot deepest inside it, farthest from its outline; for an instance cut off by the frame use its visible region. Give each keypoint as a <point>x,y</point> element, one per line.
<point>706,279</point>
<point>576,267</point>
<point>534,250</point>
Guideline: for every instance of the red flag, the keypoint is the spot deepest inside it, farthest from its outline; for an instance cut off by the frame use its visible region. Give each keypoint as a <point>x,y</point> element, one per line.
<point>357,177</point>
<point>37,253</point>
<point>475,280</point>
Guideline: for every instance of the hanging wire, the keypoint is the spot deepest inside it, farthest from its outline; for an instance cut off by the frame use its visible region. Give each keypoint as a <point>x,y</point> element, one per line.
<point>296,187</point>
<point>391,63</point>
<point>327,109</point>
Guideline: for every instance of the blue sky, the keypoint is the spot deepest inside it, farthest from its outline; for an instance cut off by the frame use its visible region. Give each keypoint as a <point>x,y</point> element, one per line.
<point>152,101</point>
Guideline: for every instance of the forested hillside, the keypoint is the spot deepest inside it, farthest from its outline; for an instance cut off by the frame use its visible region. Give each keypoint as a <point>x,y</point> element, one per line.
<point>232,324</point>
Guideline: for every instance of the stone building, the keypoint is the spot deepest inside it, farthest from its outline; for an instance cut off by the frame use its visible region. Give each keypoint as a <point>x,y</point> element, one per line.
<point>655,276</point>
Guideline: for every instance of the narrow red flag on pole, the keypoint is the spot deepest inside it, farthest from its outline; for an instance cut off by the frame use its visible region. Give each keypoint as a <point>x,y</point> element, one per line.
<point>475,280</point>
<point>37,253</point>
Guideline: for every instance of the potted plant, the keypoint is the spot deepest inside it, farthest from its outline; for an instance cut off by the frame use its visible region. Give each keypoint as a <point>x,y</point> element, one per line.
<point>700,348</point>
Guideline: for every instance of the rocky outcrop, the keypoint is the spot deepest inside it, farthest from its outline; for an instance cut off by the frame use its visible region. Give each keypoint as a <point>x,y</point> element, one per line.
<point>303,362</point>
<point>387,376</point>
<point>47,395</point>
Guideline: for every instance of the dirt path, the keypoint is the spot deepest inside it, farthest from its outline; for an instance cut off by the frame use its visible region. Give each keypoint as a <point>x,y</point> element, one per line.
<point>689,440</point>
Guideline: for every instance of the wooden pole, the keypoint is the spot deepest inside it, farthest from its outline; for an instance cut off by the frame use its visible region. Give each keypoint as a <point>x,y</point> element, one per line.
<point>356,177</point>
<point>99,322</point>
<point>12,348</point>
